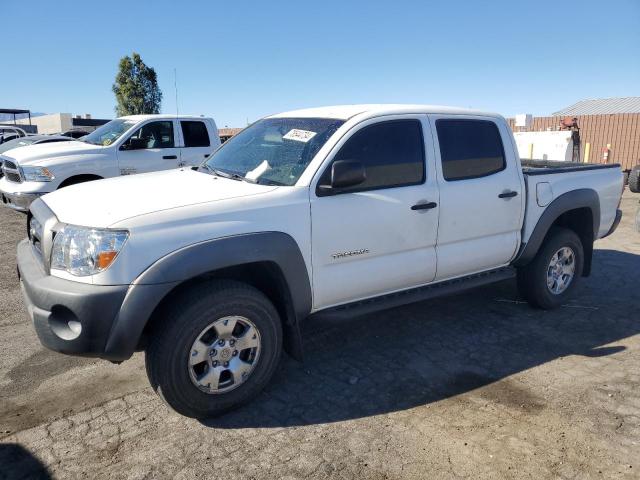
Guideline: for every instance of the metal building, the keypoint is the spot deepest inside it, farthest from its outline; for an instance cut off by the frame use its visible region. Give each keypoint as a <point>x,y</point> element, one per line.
<point>609,129</point>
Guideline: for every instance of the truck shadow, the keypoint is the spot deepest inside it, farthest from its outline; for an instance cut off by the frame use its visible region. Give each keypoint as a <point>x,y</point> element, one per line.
<point>423,353</point>
<point>17,462</point>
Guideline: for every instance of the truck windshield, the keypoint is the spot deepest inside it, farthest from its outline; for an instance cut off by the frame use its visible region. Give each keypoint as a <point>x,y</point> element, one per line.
<point>273,151</point>
<point>109,132</point>
<point>15,143</point>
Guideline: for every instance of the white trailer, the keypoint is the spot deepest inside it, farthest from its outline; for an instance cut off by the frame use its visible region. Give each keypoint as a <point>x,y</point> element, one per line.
<point>551,145</point>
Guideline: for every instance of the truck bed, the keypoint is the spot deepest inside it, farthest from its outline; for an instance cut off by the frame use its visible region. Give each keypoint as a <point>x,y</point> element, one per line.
<point>546,167</point>
<point>545,183</point>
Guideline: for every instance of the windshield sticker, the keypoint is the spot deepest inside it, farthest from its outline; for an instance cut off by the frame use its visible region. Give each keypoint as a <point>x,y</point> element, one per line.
<point>299,135</point>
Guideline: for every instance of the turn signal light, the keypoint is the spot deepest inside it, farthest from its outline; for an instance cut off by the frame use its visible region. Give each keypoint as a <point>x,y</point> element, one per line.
<point>105,259</point>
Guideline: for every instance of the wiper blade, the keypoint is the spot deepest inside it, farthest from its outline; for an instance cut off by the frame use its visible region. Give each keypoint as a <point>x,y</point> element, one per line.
<point>266,181</point>
<point>233,176</point>
<point>206,167</point>
<point>237,176</point>
<point>220,173</point>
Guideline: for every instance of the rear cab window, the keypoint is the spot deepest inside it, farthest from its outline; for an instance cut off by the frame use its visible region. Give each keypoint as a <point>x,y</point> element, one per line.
<point>195,134</point>
<point>469,148</point>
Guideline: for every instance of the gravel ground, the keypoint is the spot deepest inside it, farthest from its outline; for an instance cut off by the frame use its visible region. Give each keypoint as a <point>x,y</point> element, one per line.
<point>476,385</point>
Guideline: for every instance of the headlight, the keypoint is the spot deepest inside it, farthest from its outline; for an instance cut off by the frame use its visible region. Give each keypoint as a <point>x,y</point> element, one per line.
<point>83,251</point>
<point>37,174</point>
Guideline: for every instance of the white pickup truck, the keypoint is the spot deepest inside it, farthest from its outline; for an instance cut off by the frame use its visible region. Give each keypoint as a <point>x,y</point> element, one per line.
<point>126,145</point>
<point>329,212</point>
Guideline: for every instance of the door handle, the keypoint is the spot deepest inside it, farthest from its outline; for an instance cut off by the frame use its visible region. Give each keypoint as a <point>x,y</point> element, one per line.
<point>424,206</point>
<point>169,157</point>
<point>509,194</point>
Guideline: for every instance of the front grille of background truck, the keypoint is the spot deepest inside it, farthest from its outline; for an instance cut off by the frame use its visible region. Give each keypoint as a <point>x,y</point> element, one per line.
<point>11,171</point>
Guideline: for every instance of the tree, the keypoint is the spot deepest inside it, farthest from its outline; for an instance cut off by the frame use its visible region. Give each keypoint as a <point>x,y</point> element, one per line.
<point>136,87</point>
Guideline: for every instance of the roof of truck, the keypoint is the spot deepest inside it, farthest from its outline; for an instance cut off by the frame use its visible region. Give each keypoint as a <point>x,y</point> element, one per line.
<point>344,112</point>
<point>160,115</point>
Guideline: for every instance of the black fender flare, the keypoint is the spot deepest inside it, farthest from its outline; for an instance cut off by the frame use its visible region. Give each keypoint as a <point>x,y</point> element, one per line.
<point>581,198</point>
<point>192,261</point>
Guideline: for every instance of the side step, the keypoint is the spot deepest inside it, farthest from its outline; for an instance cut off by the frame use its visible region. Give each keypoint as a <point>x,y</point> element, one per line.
<point>392,300</point>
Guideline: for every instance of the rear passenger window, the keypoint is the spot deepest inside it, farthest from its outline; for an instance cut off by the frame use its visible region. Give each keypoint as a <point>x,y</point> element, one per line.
<point>195,134</point>
<point>469,148</point>
<point>392,153</point>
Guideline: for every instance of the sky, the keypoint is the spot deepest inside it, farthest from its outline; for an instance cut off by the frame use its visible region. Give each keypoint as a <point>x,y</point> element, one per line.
<point>238,60</point>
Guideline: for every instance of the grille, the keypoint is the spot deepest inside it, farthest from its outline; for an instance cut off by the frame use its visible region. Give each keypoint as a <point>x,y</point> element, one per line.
<point>35,232</point>
<point>41,236</point>
<point>13,177</point>
<point>11,171</point>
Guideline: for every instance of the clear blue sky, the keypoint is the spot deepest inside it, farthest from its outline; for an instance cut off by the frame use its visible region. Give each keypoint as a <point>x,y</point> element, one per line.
<point>238,61</point>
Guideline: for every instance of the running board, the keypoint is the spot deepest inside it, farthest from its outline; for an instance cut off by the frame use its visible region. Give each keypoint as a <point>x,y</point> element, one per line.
<point>392,300</point>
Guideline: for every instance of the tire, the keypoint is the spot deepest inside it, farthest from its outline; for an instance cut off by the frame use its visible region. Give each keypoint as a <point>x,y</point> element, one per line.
<point>634,179</point>
<point>186,319</point>
<point>533,278</point>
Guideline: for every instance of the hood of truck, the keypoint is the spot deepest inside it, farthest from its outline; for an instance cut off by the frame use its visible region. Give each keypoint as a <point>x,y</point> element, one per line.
<point>102,203</point>
<point>36,154</point>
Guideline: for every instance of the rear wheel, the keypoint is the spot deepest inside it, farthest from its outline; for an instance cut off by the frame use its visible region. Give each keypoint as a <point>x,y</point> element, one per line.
<point>549,279</point>
<point>634,179</point>
<point>214,348</point>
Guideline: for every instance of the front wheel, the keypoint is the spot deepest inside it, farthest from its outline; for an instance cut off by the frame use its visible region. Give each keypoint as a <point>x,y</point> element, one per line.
<point>215,347</point>
<point>551,277</point>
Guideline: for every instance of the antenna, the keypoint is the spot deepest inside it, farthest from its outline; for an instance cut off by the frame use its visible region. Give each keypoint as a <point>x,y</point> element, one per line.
<point>175,85</point>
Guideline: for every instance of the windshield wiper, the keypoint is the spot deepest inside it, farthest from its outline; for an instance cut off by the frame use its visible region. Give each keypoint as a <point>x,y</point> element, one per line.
<point>267,181</point>
<point>206,167</point>
<point>233,176</point>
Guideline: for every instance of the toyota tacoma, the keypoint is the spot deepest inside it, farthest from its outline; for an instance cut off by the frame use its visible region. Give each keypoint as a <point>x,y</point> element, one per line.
<point>328,212</point>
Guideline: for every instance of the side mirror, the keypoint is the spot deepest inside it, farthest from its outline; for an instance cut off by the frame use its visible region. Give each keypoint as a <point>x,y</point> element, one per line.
<point>135,144</point>
<point>347,173</point>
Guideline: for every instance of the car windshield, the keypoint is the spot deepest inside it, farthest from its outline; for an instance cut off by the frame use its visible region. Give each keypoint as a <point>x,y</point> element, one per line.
<point>15,143</point>
<point>273,151</point>
<point>109,132</point>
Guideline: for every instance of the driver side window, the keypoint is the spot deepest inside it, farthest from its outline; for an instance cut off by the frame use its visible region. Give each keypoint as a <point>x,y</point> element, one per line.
<point>392,153</point>
<point>153,135</point>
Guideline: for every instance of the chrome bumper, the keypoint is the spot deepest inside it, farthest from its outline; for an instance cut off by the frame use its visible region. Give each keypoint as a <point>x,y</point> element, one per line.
<point>18,201</point>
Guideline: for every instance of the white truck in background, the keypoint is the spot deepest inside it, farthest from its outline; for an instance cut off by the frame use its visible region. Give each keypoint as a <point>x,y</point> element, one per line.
<point>330,212</point>
<point>124,146</point>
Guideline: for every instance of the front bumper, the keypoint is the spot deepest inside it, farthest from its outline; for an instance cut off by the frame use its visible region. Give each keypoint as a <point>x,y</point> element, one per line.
<point>69,317</point>
<point>18,201</point>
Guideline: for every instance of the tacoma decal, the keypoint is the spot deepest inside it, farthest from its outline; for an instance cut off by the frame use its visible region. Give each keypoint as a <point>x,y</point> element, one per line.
<point>351,253</point>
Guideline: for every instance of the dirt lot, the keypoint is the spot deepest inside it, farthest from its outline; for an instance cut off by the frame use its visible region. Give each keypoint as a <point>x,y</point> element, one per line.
<point>477,385</point>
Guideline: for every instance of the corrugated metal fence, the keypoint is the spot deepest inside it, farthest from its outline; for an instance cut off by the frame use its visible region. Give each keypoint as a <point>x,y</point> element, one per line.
<point>621,131</point>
